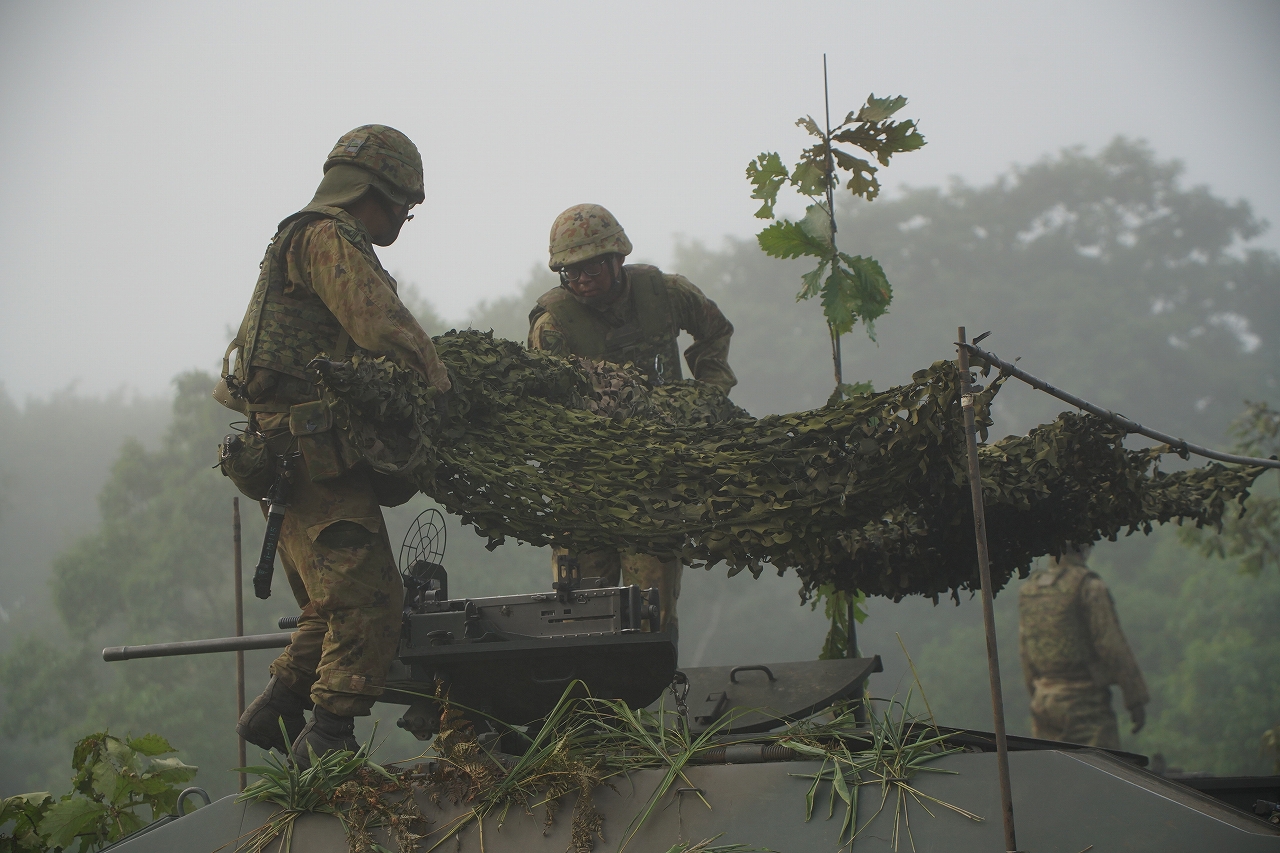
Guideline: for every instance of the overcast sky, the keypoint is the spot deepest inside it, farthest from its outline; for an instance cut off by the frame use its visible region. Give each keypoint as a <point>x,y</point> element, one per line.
<point>150,148</point>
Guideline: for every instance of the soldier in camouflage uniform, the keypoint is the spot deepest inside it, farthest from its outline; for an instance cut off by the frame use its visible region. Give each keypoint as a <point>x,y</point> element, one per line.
<point>607,311</point>
<point>322,290</point>
<point>1072,651</point>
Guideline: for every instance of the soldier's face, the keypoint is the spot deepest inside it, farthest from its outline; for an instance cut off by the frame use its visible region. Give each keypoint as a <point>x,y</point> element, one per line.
<point>591,279</point>
<point>385,231</point>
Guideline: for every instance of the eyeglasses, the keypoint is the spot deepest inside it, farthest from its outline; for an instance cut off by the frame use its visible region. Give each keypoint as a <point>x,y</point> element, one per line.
<point>590,269</point>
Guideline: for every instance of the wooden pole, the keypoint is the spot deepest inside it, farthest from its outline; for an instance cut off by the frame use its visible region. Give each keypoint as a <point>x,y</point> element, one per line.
<point>235,534</point>
<point>988,610</point>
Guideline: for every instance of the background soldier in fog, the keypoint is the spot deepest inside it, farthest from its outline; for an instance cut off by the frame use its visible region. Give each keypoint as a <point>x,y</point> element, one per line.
<point>323,290</point>
<point>1072,651</point>
<point>606,311</point>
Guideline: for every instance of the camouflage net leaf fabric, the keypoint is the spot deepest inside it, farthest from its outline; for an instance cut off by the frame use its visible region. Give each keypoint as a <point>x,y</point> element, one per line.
<point>869,493</point>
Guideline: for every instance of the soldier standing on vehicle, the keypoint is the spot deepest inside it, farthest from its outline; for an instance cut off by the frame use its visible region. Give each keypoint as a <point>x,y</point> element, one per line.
<point>322,290</point>
<point>607,311</point>
<point>1072,651</point>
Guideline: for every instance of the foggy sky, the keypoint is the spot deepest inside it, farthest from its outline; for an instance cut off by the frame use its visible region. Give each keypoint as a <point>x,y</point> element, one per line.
<point>150,148</point>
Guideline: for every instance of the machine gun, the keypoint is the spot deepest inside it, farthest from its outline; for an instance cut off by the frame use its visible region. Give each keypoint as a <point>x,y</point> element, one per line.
<point>509,656</point>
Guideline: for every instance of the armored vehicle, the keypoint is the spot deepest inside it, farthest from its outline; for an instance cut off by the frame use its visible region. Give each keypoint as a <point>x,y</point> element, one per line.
<point>512,658</point>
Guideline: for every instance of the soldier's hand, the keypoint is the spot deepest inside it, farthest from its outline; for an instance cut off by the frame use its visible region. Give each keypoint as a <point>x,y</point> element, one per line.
<point>1138,713</point>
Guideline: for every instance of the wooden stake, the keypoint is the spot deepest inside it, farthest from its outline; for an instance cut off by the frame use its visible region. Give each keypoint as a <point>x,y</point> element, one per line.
<point>235,534</point>
<point>988,610</point>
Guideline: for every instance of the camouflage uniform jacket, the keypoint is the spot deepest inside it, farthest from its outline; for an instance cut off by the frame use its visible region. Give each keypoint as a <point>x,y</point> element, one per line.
<point>1084,643</point>
<point>691,311</point>
<point>331,259</point>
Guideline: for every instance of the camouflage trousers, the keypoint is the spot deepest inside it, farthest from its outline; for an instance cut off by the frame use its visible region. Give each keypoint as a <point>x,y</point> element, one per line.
<point>339,563</point>
<point>627,567</point>
<point>1074,712</point>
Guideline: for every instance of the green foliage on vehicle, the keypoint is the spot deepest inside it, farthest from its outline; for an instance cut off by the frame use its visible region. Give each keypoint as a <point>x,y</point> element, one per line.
<point>120,785</point>
<point>362,795</point>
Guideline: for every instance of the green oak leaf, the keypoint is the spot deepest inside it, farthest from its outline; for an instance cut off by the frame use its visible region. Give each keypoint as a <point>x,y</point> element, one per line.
<point>867,187</point>
<point>150,744</point>
<point>126,823</point>
<point>817,224</point>
<point>879,109</point>
<point>24,812</point>
<point>120,752</point>
<point>874,292</point>
<point>862,178</point>
<point>883,139</point>
<point>70,817</point>
<point>86,750</point>
<point>110,784</point>
<point>811,282</point>
<point>767,175</point>
<point>811,126</point>
<point>810,175</point>
<point>172,770</point>
<point>858,292</point>
<point>787,239</point>
<point>839,300</point>
<point>899,137</point>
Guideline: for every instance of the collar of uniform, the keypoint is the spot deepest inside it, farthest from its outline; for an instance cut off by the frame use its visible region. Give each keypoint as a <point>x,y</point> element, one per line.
<point>339,214</point>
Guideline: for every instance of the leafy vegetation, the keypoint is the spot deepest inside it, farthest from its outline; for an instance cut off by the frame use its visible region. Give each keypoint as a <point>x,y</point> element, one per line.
<point>1254,535</point>
<point>851,288</point>
<point>583,744</point>
<point>114,780</point>
<point>362,795</point>
<point>899,748</point>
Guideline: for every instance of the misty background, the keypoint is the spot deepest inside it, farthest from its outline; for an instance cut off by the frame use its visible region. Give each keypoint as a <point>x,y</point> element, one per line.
<point>153,149</point>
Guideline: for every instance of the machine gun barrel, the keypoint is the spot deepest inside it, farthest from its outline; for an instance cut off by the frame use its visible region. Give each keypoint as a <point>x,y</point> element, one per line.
<point>197,647</point>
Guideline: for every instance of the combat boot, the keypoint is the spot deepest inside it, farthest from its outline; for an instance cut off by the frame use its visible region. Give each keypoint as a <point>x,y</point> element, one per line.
<point>326,732</point>
<point>260,722</point>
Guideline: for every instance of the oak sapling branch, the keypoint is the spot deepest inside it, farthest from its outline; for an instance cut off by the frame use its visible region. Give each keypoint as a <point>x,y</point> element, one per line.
<point>851,288</point>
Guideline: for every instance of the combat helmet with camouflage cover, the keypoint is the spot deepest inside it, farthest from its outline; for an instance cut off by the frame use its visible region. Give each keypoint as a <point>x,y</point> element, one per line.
<point>372,155</point>
<point>585,231</point>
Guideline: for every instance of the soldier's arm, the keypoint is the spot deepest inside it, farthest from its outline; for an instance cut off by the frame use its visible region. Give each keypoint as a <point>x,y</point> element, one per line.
<point>364,300</point>
<point>1028,670</point>
<point>708,357</point>
<point>543,335</point>
<point>1109,642</point>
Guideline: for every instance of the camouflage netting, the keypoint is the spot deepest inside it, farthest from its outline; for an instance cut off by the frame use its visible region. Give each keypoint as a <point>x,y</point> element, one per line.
<point>871,493</point>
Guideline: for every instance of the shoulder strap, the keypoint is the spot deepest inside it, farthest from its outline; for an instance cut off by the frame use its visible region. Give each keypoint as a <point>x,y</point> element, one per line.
<point>272,267</point>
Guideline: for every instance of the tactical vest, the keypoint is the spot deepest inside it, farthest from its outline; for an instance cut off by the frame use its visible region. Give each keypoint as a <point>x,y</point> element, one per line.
<point>284,333</point>
<point>1055,632</point>
<point>651,338</point>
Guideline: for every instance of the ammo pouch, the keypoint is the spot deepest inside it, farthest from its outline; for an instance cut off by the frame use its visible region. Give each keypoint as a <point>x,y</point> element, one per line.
<point>246,460</point>
<point>311,425</point>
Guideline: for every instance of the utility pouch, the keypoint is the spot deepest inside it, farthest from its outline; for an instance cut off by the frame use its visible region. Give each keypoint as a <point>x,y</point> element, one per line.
<point>245,459</point>
<point>312,424</point>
